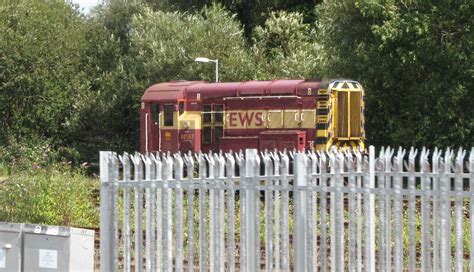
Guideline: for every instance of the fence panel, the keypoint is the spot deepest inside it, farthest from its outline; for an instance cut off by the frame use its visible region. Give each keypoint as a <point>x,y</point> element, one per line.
<point>314,211</point>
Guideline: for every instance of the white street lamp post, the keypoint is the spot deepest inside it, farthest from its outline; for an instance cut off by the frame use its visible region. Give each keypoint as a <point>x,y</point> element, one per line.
<point>216,61</point>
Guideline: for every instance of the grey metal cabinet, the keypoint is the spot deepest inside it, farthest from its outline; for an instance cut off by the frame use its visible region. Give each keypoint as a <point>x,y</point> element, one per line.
<point>10,247</point>
<point>27,247</point>
<point>51,248</point>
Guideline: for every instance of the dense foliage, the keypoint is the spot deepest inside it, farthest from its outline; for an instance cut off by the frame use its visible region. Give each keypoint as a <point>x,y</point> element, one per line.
<point>73,82</point>
<point>166,43</point>
<point>415,60</point>
<point>284,47</point>
<point>250,13</point>
<point>70,83</point>
<point>43,81</point>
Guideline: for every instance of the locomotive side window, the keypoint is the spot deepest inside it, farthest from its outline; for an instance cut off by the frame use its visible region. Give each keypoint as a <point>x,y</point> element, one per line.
<point>206,135</point>
<point>206,114</point>
<point>218,113</point>
<point>212,123</point>
<point>155,112</point>
<point>168,115</point>
<point>218,122</point>
<point>217,134</point>
<point>181,107</point>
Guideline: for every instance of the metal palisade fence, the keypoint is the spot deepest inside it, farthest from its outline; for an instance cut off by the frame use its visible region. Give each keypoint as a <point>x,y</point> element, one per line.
<point>400,210</point>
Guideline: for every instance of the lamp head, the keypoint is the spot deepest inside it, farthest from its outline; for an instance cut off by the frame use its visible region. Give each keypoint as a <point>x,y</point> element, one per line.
<point>202,59</point>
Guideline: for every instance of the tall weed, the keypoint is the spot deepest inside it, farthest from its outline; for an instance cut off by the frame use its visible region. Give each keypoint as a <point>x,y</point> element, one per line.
<point>56,195</point>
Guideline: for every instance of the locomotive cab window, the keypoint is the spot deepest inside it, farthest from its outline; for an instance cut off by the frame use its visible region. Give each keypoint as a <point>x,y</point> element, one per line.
<point>217,134</point>
<point>218,113</point>
<point>155,112</point>
<point>206,114</point>
<point>206,135</point>
<point>181,107</point>
<point>168,115</point>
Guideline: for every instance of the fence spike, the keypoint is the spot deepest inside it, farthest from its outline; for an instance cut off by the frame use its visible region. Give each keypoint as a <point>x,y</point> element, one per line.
<point>471,160</point>
<point>435,173</point>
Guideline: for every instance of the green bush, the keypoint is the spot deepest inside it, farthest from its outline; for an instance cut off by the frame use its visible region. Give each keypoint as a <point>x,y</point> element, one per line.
<point>20,155</point>
<point>56,195</point>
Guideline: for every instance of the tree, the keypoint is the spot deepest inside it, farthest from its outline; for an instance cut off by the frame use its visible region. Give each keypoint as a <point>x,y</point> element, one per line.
<point>166,44</point>
<point>415,61</point>
<point>42,76</point>
<point>249,13</point>
<point>110,120</point>
<point>285,47</point>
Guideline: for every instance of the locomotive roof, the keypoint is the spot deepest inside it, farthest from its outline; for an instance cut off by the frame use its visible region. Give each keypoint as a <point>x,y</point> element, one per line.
<point>177,90</point>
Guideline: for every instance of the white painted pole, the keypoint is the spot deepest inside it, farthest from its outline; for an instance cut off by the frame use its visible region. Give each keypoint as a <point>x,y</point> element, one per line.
<point>372,207</point>
<point>106,226</point>
<point>250,204</point>
<point>217,70</point>
<point>300,212</point>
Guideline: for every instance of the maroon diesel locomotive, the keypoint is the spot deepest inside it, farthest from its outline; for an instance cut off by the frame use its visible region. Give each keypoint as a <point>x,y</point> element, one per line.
<point>292,114</point>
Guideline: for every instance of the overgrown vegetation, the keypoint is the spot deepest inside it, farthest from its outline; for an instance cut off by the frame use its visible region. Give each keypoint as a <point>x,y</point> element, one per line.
<point>70,84</point>
<point>56,195</point>
<point>415,60</point>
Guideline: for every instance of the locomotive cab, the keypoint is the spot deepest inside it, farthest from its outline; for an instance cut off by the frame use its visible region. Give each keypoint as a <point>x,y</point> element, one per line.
<point>168,121</point>
<point>168,126</point>
<point>346,128</point>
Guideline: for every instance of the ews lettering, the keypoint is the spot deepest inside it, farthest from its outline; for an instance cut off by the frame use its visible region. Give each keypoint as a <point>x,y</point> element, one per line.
<point>242,119</point>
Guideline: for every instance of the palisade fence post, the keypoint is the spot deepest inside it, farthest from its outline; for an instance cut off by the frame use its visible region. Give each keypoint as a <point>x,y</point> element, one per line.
<point>153,212</point>
<point>471,204</point>
<point>221,211</point>
<point>381,211</point>
<point>359,217</point>
<point>458,204</point>
<point>285,206</point>
<point>230,167</point>
<point>445,204</point>
<point>256,192</point>
<point>212,213</point>
<point>127,260</point>
<point>149,260</point>
<point>332,211</point>
<point>168,213</point>
<point>300,211</point>
<point>339,209</point>
<point>137,179</point>
<point>371,217</point>
<point>388,175</point>
<point>448,210</point>
<point>323,204</point>
<point>312,249</point>
<point>106,213</point>
<point>189,160</point>
<point>158,179</point>
<point>250,203</point>
<point>436,209</point>
<point>268,212</point>
<point>352,211</point>
<point>243,213</point>
<point>425,212</point>
<point>398,210</point>
<point>202,213</point>
<point>178,209</point>
<point>277,209</point>
<point>411,209</point>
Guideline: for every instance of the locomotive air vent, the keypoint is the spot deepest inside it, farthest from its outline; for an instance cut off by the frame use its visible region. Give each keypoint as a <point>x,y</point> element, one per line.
<point>349,114</point>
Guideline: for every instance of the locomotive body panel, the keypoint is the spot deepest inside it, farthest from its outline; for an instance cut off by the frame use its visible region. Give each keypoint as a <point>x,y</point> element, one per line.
<point>199,116</point>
